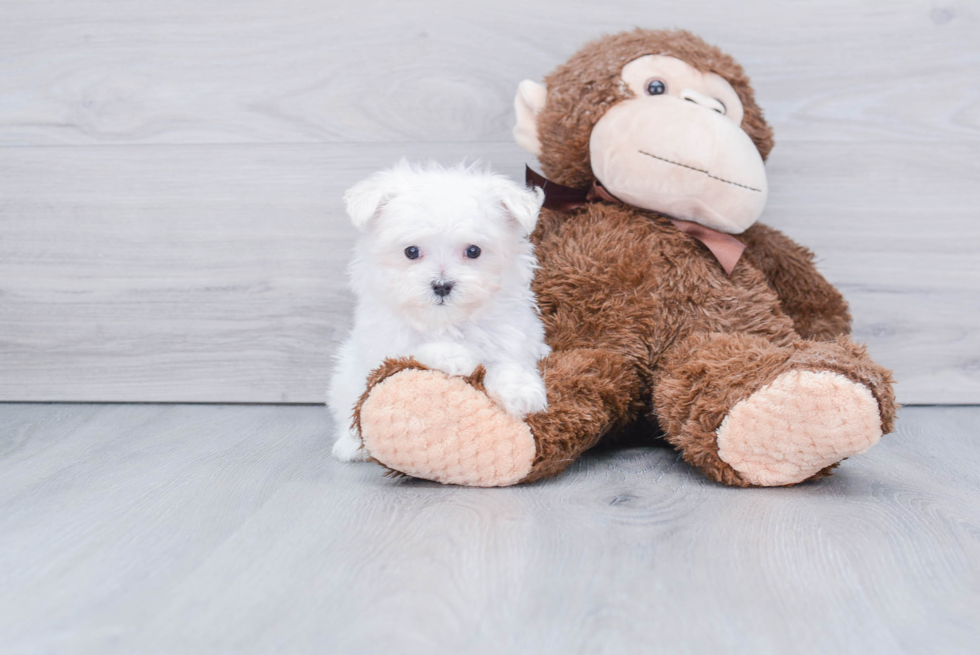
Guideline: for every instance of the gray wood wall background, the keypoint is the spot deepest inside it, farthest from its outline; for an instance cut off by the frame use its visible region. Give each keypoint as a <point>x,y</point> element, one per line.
<point>171,171</point>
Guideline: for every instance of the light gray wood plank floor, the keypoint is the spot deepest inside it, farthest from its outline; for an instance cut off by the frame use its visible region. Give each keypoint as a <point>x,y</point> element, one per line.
<point>213,529</point>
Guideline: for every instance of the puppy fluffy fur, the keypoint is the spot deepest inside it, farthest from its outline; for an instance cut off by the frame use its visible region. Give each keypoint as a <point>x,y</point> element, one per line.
<point>442,272</point>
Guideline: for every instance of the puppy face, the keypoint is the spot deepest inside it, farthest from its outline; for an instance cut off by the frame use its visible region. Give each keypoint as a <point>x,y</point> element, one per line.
<point>440,244</point>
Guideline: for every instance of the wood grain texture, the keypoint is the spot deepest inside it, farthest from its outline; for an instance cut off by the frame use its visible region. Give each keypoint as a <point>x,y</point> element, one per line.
<point>216,273</point>
<point>186,529</point>
<point>91,72</point>
<point>170,173</point>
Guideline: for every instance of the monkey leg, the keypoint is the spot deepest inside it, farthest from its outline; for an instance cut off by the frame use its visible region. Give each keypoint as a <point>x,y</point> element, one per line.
<point>428,425</point>
<point>750,413</point>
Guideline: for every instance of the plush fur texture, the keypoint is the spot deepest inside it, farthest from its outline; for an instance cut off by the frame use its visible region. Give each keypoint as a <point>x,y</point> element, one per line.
<point>423,290</point>
<point>581,90</point>
<point>818,310</point>
<point>642,320</point>
<point>707,375</point>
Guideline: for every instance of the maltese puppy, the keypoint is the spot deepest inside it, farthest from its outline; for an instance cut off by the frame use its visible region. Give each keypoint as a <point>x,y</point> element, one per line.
<point>442,272</point>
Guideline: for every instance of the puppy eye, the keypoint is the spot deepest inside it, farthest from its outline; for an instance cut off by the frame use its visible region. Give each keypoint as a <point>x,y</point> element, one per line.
<point>473,252</point>
<point>656,88</point>
<point>412,252</point>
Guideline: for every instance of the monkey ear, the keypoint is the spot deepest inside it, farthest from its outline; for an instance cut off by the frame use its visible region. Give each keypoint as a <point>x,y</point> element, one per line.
<point>529,101</point>
<point>365,199</point>
<point>521,203</point>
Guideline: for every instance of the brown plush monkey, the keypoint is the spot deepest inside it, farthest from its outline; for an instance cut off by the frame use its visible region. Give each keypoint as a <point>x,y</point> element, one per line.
<point>750,373</point>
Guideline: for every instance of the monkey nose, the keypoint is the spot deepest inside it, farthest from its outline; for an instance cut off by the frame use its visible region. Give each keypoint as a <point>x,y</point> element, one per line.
<point>699,98</point>
<point>442,289</point>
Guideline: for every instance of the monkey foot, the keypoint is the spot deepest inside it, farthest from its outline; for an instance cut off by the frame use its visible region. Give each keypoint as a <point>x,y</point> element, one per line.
<point>798,425</point>
<point>428,425</point>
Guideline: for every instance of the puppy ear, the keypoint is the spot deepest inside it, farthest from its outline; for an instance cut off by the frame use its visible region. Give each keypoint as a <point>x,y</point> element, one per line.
<point>521,203</point>
<point>365,199</point>
<point>529,101</point>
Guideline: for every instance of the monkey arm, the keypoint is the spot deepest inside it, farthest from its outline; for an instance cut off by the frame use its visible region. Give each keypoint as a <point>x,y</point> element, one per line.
<point>818,310</point>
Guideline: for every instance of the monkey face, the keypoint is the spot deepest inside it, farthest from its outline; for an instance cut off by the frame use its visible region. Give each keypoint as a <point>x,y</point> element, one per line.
<point>677,147</point>
<point>679,142</point>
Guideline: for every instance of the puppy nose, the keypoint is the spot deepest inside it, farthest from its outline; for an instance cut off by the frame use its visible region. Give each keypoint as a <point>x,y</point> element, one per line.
<point>442,289</point>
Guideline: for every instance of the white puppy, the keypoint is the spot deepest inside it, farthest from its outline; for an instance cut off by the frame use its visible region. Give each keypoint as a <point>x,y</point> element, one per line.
<point>442,272</point>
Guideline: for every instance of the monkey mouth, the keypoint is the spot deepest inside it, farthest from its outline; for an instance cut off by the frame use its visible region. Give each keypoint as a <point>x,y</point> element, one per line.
<point>700,170</point>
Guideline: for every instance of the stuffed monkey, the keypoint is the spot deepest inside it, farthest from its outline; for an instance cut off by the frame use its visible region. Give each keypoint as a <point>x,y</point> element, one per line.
<point>659,292</point>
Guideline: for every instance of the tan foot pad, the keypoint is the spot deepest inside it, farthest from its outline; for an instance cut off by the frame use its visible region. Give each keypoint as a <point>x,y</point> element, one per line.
<point>799,424</point>
<point>435,427</point>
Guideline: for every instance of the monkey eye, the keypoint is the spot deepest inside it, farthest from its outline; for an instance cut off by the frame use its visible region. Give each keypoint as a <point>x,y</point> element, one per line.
<point>473,252</point>
<point>412,252</point>
<point>723,110</point>
<point>656,88</point>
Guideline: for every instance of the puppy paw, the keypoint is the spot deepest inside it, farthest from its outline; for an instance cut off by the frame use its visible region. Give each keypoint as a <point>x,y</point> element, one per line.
<point>520,391</point>
<point>348,447</point>
<point>450,358</point>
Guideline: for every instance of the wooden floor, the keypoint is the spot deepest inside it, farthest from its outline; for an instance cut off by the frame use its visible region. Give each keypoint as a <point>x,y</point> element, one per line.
<point>228,529</point>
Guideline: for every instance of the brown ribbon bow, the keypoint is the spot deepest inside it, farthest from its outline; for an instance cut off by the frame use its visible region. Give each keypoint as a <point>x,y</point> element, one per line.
<point>726,248</point>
